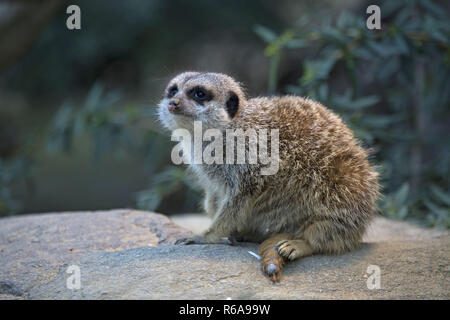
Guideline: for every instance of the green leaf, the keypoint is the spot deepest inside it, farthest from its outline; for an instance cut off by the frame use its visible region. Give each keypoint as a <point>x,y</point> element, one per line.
<point>380,121</point>
<point>433,8</point>
<point>344,19</point>
<point>323,92</point>
<point>363,53</point>
<point>402,194</point>
<point>402,45</point>
<point>94,96</point>
<point>403,212</point>
<point>317,69</point>
<point>387,68</point>
<point>364,102</point>
<point>296,44</point>
<point>265,33</point>
<point>437,210</point>
<point>440,195</point>
<point>333,35</point>
<point>381,48</point>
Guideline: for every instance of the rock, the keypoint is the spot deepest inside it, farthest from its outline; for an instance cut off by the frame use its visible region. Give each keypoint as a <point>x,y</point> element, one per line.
<point>128,254</point>
<point>33,247</point>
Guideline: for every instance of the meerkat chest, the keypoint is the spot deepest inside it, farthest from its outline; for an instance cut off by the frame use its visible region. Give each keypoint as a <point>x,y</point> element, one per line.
<point>214,191</point>
<point>211,183</point>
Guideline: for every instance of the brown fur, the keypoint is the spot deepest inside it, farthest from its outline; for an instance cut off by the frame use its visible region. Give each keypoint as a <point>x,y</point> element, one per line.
<point>320,200</point>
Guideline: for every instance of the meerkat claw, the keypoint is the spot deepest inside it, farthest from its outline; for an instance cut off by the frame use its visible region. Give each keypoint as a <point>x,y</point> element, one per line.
<point>285,249</point>
<point>202,240</point>
<point>232,240</point>
<point>272,272</point>
<point>190,240</point>
<point>228,241</point>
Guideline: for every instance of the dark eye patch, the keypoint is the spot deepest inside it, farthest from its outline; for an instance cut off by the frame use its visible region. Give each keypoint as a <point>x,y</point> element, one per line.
<point>232,105</point>
<point>172,91</point>
<point>200,94</point>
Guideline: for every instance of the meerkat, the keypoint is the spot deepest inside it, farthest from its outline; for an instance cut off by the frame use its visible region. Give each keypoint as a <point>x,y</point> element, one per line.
<point>318,202</point>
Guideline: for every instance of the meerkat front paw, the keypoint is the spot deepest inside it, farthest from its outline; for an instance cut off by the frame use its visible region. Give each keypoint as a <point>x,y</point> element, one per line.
<point>272,264</point>
<point>293,249</point>
<point>286,249</point>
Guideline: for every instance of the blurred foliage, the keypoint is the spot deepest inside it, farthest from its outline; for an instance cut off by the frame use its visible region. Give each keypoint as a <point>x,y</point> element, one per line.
<point>124,41</point>
<point>392,87</point>
<point>165,184</point>
<point>108,127</point>
<point>389,85</point>
<point>110,34</point>
<point>115,129</point>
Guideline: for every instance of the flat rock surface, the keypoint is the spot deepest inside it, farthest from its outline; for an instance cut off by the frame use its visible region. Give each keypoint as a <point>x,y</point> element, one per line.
<point>33,247</point>
<point>129,254</point>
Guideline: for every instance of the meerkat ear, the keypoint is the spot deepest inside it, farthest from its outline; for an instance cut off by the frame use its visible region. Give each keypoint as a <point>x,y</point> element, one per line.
<point>232,105</point>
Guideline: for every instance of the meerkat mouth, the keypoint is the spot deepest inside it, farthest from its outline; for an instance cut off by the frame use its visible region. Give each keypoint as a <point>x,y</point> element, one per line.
<point>178,113</point>
<point>182,115</point>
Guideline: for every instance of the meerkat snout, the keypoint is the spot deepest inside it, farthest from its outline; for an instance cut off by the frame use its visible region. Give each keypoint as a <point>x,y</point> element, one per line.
<point>174,105</point>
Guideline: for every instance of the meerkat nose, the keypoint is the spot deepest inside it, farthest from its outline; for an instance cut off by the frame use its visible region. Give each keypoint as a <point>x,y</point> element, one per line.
<point>174,105</point>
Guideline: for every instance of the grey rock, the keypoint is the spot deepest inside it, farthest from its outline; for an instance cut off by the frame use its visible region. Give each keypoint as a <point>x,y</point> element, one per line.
<point>127,254</point>
<point>33,247</point>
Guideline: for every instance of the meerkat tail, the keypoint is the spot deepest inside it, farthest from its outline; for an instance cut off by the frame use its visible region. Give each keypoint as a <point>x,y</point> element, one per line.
<point>272,261</point>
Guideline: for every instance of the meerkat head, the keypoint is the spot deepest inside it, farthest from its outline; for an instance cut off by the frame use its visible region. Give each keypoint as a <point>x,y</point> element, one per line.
<point>214,99</point>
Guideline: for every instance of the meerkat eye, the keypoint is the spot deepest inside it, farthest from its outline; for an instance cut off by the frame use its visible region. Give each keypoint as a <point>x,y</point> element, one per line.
<point>172,91</point>
<point>200,94</point>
